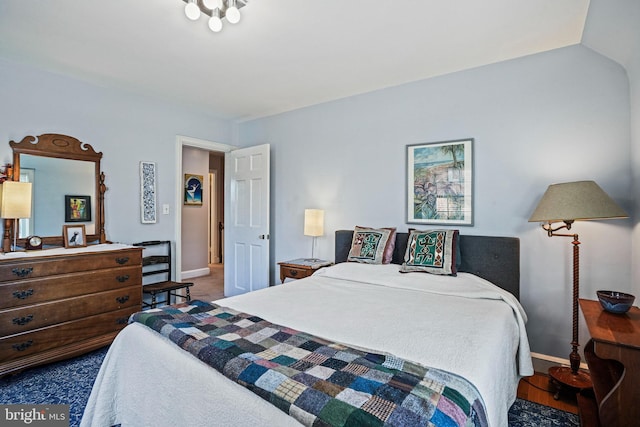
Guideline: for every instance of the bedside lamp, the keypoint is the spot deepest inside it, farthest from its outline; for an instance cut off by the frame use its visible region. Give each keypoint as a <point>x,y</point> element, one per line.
<point>15,203</point>
<point>569,202</point>
<point>313,225</point>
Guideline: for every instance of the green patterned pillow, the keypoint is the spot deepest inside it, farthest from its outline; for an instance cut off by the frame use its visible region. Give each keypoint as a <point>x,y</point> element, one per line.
<point>431,251</point>
<point>368,245</point>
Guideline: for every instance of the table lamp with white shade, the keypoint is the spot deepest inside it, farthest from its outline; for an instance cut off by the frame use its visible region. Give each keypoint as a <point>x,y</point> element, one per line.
<point>313,226</point>
<point>15,203</point>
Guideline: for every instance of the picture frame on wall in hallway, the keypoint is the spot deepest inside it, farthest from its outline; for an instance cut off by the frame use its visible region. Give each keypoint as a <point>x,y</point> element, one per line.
<point>148,209</point>
<point>192,189</point>
<point>440,183</point>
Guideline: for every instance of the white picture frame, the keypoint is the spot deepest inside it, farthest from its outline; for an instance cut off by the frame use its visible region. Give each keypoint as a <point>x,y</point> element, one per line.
<point>148,208</point>
<point>440,183</point>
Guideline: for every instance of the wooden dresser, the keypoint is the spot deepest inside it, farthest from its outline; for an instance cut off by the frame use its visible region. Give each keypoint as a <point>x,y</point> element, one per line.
<point>58,304</point>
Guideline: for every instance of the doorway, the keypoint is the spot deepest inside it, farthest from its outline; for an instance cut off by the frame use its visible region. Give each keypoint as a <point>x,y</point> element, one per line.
<point>212,149</point>
<point>246,205</point>
<point>216,208</point>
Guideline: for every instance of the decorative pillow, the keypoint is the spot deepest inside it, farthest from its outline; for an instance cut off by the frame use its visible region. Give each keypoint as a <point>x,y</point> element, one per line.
<point>368,245</point>
<point>391,245</point>
<point>457,245</point>
<point>431,251</point>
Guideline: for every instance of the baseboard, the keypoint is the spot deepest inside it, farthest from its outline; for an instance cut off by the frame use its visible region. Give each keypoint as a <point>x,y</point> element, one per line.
<point>542,362</point>
<point>195,273</point>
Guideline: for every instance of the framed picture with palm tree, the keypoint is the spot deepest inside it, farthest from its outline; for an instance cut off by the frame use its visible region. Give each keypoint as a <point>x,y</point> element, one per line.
<point>440,183</point>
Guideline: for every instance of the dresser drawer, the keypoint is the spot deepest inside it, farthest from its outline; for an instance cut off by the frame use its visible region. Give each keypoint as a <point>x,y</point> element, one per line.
<point>43,339</point>
<point>27,268</point>
<point>31,317</point>
<point>33,291</point>
<point>295,272</point>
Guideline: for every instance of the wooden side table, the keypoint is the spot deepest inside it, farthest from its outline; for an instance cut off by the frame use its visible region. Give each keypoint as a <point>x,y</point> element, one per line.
<point>616,341</point>
<point>300,268</point>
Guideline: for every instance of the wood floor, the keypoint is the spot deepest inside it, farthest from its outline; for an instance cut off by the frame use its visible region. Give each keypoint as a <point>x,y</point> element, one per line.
<point>536,388</point>
<point>211,287</point>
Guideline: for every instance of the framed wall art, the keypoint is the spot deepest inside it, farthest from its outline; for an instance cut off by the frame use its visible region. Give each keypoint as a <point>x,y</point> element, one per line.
<point>74,236</point>
<point>192,189</point>
<point>148,208</point>
<point>77,208</point>
<point>440,183</point>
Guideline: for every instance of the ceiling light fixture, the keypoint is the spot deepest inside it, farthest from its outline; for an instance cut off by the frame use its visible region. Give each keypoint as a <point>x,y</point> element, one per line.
<point>217,10</point>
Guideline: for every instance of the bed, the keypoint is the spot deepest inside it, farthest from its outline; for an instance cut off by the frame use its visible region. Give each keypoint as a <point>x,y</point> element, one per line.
<point>470,325</point>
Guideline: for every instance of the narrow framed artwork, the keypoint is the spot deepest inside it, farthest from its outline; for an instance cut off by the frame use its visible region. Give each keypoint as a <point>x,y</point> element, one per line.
<point>74,236</point>
<point>148,210</point>
<point>192,189</point>
<point>440,183</point>
<point>77,208</point>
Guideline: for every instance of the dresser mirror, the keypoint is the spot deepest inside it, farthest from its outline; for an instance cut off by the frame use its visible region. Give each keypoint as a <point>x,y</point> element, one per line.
<point>58,166</point>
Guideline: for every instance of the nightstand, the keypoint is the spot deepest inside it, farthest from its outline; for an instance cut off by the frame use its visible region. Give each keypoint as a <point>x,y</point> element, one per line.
<point>300,268</point>
<point>613,356</point>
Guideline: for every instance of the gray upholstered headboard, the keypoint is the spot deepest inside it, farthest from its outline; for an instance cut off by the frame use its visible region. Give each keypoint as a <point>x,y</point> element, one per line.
<point>496,259</point>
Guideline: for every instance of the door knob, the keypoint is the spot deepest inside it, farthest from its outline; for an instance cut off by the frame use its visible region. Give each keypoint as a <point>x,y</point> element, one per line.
<point>263,237</point>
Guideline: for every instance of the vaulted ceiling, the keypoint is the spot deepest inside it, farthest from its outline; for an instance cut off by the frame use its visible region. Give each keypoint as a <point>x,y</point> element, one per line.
<point>284,54</point>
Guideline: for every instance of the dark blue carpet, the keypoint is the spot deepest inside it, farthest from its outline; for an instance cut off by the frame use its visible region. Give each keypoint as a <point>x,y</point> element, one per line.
<point>70,381</point>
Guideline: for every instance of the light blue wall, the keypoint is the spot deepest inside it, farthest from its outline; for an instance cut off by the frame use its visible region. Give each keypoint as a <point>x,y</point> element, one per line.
<point>612,29</point>
<point>126,127</point>
<point>553,117</point>
<point>557,116</point>
<point>633,70</point>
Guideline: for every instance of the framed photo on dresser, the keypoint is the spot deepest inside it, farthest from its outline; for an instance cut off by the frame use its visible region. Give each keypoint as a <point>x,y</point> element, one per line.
<point>74,236</point>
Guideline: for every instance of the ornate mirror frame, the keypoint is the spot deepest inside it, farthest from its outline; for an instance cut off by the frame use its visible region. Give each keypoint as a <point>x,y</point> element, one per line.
<point>61,147</point>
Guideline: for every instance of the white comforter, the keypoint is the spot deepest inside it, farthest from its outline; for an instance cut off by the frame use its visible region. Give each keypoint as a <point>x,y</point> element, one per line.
<point>461,324</point>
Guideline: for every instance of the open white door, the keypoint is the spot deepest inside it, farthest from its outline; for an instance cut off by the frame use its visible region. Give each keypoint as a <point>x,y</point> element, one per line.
<point>246,242</point>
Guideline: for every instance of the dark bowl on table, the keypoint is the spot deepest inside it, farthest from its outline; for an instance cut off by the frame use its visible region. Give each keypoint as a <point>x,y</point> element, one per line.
<point>615,302</point>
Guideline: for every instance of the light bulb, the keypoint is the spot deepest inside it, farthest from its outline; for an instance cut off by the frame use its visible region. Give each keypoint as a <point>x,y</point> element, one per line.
<point>215,24</point>
<point>233,14</point>
<point>192,10</point>
<point>212,4</point>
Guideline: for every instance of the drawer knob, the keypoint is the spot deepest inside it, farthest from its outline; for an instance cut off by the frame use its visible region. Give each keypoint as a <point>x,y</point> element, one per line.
<point>22,320</point>
<point>22,272</point>
<point>23,294</point>
<point>122,278</point>
<point>294,273</point>
<point>122,299</point>
<point>22,346</point>
<point>122,320</point>
<point>122,260</point>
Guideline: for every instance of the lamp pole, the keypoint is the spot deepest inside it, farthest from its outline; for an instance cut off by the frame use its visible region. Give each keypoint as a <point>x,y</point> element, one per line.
<point>573,376</point>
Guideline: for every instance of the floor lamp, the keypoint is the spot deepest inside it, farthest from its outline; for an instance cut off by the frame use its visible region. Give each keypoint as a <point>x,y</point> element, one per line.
<point>567,203</point>
<point>15,203</point>
<point>313,226</point>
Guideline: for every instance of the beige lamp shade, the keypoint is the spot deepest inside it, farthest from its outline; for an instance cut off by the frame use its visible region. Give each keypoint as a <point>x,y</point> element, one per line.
<point>574,201</point>
<point>15,199</point>
<point>313,222</point>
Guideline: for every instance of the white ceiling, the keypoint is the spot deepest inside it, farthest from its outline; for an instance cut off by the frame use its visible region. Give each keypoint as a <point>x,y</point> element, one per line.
<point>284,54</point>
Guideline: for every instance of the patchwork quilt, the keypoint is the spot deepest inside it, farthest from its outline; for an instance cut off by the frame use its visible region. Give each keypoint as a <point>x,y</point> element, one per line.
<point>318,382</point>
